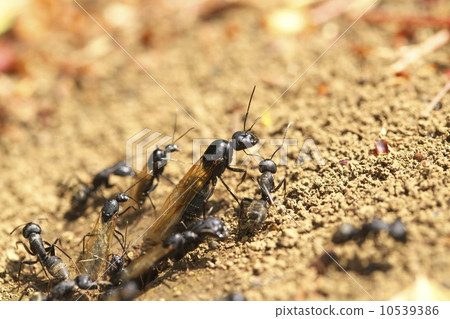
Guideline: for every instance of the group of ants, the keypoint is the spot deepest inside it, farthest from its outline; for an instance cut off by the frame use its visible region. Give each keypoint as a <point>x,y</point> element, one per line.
<point>180,226</point>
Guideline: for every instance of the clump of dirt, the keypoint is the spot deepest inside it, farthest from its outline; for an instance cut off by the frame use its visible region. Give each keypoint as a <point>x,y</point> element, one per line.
<point>74,98</point>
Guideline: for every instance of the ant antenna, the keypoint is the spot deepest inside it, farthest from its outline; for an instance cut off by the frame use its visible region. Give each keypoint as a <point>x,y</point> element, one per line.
<point>182,134</point>
<point>17,227</point>
<point>253,155</point>
<point>140,180</point>
<point>175,126</point>
<point>248,109</point>
<point>284,137</point>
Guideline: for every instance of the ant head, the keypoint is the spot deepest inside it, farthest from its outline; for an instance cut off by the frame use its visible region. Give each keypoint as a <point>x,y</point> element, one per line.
<point>172,148</point>
<point>117,262</point>
<point>109,210</point>
<point>267,165</point>
<point>31,228</point>
<point>212,227</point>
<point>243,140</point>
<point>122,197</point>
<point>156,156</point>
<point>85,282</point>
<point>80,198</point>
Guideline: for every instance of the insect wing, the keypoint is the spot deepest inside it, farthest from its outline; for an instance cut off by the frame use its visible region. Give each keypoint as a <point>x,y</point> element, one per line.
<point>175,205</point>
<point>143,178</point>
<point>145,262</point>
<point>97,248</point>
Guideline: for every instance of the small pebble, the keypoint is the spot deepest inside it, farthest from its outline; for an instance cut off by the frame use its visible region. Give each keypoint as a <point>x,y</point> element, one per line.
<point>256,245</point>
<point>419,157</point>
<point>290,233</point>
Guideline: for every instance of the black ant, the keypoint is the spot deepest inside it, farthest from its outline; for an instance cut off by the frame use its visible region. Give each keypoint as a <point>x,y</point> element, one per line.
<point>198,184</point>
<point>267,168</point>
<point>45,255</point>
<point>253,212</point>
<point>346,232</point>
<point>84,192</point>
<point>97,247</point>
<point>157,162</point>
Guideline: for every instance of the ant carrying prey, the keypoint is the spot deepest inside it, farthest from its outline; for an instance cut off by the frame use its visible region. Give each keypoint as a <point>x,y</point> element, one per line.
<point>96,250</point>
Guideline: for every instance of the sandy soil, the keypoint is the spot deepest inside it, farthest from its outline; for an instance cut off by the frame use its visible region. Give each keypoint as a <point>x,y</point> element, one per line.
<point>72,98</point>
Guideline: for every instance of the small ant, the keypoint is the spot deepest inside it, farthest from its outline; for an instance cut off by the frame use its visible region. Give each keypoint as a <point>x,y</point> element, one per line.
<point>267,168</point>
<point>84,192</point>
<point>157,162</point>
<point>253,212</point>
<point>346,232</point>
<point>45,255</point>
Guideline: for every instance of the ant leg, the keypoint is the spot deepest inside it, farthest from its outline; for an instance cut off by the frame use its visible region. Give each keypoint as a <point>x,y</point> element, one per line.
<point>108,185</point>
<point>121,243</point>
<point>25,262</point>
<point>204,209</point>
<point>184,225</point>
<point>25,246</point>
<point>127,210</point>
<point>239,170</point>
<point>207,197</point>
<point>283,182</point>
<point>229,190</point>
<point>209,211</point>
<point>168,179</point>
<point>265,192</point>
<point>51,248</point>
<point>84,241</point>
<point>151,201</point>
